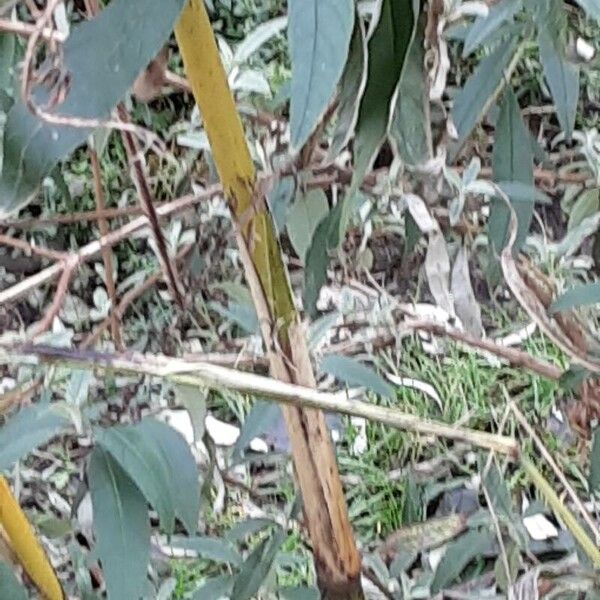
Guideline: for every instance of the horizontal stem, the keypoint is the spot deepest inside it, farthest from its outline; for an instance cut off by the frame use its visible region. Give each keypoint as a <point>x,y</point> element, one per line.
<point>202,374</point>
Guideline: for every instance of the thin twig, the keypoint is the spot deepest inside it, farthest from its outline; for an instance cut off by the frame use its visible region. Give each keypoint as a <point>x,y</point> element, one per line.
<point>30,249</point>
<point>27,29</point>
<point>503,554</point>
<point>115,328</point>
<point>19,395</point>
<point>128,298</point>
<point>90,250</point>
<point>78,217</point>
<point>546,175</point>
<point>68,269</point>
<point>513,356</point>
<point>216,377</point>
<point>557,471</point>
<point>147,203</point>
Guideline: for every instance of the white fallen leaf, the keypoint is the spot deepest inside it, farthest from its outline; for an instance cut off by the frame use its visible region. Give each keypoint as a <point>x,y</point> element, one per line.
<point>435,556</point>
<point>179,420</point>
<point>416,384</point>
<point>420,213</point>
<point>584,50</point>
<point>225,434</point>
<point>360,443</point>
<point>539,527</point>
<point>517,337</point>
<point>424,310</point>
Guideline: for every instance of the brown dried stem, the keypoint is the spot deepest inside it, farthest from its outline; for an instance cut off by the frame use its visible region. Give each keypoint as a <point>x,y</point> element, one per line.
<point>147,203</point>
<point>515,357</point>
<point>69,267</point>
<point>78,217</point>
<point>115,328</point>
<point>128,299</point>
<point>90,250</point>
<point>30,249</point>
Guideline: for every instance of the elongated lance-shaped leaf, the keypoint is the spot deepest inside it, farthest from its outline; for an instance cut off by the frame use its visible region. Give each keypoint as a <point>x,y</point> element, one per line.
<point>388,48</point>
<point>581,295</point>
<point>352,84</point>
<point>562,76</point>
<point>337,560</point>
<point>121,527</point>
<point>476,96</point>
<point>319,33</point>
<point>512,161</point>
<point>410,129</point>
<point>26,546</point>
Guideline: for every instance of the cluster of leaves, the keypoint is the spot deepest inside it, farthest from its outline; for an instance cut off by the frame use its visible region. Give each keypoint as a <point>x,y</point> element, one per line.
<point>379,82</point>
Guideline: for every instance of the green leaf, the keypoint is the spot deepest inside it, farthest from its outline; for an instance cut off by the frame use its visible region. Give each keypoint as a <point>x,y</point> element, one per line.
<point>184,479</point>
<point>387,50</point>
<point>137,456</point>
<point>78,387</point>
<point>299,593</point>
<point>500,498</point>
<point>210,548</point>
<point>521,192</point>
<point>572,379</point>
<point>410,129</point>
<point>10,588</point>
<point>591,7</point>
<point>7,57</point>
<point>325,239</point>
<point>512,161</point>
<point>279,200</point>
<point>483,27</point>
<point>580,295</point>
<point>563,80</point>
<point>352,372</point>
<point>216,587</point>
<point>586,205</point>
<point>257,566</point>
<point>458,555</point>
<point>31,427</point>
<point>243,529</point>
<point>352,85</point>
<point>121,527</point>
<point>243,315</point>
<point>127,34</point>
<point>260,418</point>
<point>307,212</point>
<point>412,233</point>
<point>594,477</point>
<point>472,101</point>
<point>319,35</point>
<point>159,461</point>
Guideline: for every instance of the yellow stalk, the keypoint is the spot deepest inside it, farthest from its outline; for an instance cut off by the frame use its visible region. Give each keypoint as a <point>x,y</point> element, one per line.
<point>562,511</point>
<point>337,560</point>
<point>25,545</point>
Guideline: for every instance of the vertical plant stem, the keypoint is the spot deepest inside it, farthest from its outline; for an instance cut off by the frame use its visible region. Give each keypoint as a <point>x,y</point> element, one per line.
<point>337,561</point>
<point>115,328</point>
